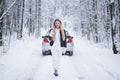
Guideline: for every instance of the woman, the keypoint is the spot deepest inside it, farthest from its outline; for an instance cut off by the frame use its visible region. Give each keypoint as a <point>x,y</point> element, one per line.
<point>57,43</point>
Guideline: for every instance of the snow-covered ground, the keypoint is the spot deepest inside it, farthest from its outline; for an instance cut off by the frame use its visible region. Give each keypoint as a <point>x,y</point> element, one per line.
<point>24,61</point>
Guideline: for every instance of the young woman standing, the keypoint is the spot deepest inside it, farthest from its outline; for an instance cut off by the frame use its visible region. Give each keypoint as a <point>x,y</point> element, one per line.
<point>57,43</point>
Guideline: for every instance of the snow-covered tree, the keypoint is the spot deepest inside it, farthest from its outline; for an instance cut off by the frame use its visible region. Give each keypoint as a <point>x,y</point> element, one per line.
<point>98,21</point>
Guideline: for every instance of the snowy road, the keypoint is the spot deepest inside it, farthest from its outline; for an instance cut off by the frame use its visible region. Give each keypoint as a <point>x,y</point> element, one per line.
<point>90,62</point>
<point>45,71</point>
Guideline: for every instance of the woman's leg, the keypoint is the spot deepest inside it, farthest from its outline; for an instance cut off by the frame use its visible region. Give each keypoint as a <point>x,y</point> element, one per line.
<point>56,56</point>
<point>59,54</point>
<point>54,59</point>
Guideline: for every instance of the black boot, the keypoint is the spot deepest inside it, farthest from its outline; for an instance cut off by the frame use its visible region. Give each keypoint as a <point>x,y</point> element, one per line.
<point>56,73</point>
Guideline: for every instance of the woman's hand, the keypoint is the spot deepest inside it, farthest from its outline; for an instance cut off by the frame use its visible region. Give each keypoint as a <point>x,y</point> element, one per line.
<point>53,34</point>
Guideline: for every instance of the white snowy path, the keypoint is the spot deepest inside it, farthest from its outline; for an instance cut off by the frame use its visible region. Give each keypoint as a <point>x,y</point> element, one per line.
<point>45,71</point>
<point>90,62</point>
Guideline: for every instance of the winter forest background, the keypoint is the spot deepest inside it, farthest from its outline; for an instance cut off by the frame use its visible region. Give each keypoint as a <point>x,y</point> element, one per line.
<point>94,24</point>
<point>96,20</point>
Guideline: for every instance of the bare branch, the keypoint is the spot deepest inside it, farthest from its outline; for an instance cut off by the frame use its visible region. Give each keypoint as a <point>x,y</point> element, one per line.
<point>7,10</point>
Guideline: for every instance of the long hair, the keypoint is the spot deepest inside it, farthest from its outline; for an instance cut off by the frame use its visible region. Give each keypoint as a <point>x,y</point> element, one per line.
<point>61,29</point>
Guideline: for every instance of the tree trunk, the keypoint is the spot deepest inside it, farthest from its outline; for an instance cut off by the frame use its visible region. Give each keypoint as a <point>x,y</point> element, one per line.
<point>38,18</point>
<point>21,20</point>
<point>1,21</point>
<point>113,28</point>
<point>95,27</point>
<point>115,51</point>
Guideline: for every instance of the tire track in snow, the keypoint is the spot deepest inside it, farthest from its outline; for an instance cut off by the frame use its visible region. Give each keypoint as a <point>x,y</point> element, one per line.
<point>68,71</point>
<point>99,66</point>
<point>90,64</point>
<point>105,69</point>
<point>80,70</point>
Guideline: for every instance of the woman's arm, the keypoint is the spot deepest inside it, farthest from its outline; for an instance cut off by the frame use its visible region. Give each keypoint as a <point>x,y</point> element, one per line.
<point>51,36</point>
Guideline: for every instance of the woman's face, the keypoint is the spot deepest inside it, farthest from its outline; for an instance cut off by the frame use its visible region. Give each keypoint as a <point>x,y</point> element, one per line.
<point>57,24</point>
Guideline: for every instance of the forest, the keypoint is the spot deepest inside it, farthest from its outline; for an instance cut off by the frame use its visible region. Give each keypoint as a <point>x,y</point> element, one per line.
<point>95,20</point>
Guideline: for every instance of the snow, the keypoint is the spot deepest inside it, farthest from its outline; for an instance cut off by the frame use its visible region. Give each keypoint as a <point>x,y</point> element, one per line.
<point>20,61</point>
<point>96,63</point>
<point>24,61</point>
